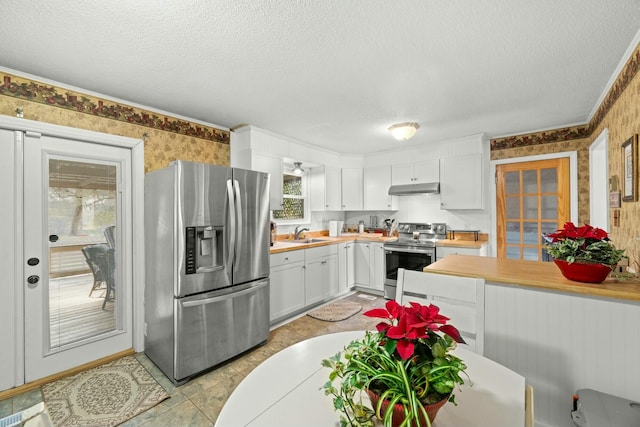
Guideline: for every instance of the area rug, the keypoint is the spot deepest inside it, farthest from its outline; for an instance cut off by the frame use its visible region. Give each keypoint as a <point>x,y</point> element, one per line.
<point>106,395</point>
<point>336,311</point>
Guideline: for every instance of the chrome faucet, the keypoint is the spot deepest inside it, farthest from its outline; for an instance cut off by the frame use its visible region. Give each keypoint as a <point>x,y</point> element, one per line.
<point>296,234</point>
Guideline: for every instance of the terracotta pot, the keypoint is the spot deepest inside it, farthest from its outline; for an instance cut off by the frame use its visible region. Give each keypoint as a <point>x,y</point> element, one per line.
<point>588,273</point>
<point>398,411</point>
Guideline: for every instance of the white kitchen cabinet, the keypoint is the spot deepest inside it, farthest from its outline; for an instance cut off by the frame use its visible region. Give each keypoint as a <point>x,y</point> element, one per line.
<point>273,166</point>
<point>325,184</point>
<point>377,180</point>
<point>443,251</point>
<point>346,267</point>
<point>377,273</point>
<point>362,256</point>
<point>461,182</point>
<point>415,173</point>
<point>287,289</point>
<point>352,189</point>
<point>369,265</point>
<point>321,273</point>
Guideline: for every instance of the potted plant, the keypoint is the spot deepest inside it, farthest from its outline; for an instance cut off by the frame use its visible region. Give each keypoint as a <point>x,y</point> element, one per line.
<point>583,253</point>
<point>406,365</point>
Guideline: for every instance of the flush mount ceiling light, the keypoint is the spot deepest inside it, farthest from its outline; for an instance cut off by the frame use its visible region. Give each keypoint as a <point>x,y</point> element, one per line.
<point>297,169</point>
<point>403,131</point>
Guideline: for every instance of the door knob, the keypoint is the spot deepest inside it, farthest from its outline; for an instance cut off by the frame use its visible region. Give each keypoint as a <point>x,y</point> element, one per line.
<point>33,279</point>
<point>33,261</point>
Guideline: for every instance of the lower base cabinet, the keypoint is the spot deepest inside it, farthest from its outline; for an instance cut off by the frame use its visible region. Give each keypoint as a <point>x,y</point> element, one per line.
<point>287,293</point>
<point>346,267</point>
<point>301,279</point>
<point>369,265</point>
<point>321,275</point>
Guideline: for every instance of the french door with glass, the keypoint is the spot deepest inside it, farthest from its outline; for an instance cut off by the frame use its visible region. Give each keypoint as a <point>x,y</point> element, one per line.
<point>77,268</point>
<point>533,198</point>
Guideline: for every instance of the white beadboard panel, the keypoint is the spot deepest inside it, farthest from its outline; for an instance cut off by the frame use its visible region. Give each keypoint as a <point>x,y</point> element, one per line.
<point>561,343</point>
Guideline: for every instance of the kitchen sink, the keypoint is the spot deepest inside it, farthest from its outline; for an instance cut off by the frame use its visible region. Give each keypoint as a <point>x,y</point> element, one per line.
<point>312,240</point>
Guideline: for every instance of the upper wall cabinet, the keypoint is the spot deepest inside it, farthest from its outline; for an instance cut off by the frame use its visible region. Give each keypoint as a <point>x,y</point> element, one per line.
<point>352,189</point>
<point>273,166</point>
<point>377,180</point>
<point>461,182</point>
<point>325,184</point>
<point>416,173</point>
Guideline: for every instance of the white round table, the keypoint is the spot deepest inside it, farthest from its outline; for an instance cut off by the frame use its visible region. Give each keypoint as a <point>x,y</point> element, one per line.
<point>286,390</point>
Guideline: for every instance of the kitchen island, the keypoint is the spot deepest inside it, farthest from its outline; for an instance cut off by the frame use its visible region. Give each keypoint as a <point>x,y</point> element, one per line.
<point>559,334</point>
<point>539,275</point>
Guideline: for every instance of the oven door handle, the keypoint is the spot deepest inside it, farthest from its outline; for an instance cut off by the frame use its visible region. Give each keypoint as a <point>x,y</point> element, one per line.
<point>409,250</point>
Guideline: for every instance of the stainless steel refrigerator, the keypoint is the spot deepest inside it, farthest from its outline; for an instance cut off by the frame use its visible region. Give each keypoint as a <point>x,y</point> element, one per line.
<point>207,265</point>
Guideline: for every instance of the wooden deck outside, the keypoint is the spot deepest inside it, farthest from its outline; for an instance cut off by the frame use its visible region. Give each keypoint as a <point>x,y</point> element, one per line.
<point>74,314</point>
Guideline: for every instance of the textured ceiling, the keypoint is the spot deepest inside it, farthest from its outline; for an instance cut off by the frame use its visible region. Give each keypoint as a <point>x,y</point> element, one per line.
<point>334,73</point>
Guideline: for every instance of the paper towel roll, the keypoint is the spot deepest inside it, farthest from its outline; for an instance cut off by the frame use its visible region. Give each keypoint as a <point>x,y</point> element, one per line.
<point>333,228</point>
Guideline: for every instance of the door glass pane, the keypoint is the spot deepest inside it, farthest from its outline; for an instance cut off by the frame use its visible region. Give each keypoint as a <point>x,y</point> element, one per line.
<point>530,254</point>
<point>530,207</point>
<point>513,252</point>
<point>82,206</point>
<point>549,180</point>
<point>549,207</point>
<point>530,181</point>
<point>513,207</point>
<point>549,227</point>
<point>513,232</point>
<point>531,236</point>
<point>512,180</point>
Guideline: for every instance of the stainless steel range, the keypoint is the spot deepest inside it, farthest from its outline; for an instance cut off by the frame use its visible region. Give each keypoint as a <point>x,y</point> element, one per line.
<point>414,250</point>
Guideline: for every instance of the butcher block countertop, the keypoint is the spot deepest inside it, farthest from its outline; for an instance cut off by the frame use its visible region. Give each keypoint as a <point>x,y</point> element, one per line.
<point>540,275</point>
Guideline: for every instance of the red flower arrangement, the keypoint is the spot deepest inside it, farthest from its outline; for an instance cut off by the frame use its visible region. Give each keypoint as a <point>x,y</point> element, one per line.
<point>586,245</point>
<point>406,364</point>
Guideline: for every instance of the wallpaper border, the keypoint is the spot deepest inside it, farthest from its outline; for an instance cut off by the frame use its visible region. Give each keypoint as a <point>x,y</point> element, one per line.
<point>30,90</point>
<point>627,74</point>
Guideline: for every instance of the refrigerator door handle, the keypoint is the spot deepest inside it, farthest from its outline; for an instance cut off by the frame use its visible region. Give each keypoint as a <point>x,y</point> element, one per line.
<point>226,296</point>
<point>239,236</point>
<point>232,224</point>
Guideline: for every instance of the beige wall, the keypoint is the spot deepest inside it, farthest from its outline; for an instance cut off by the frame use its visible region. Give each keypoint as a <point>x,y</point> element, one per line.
<point>57,105</point>
<point>620,113</point>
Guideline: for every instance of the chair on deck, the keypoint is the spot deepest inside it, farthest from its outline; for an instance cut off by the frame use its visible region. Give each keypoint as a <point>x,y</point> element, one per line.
<point>101,260</point>
<point>110,235</point>
<point>91,254</point>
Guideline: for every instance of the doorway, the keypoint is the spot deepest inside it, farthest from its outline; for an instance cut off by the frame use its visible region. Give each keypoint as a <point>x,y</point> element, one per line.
<point>532,199</point>
<point>70,296</point>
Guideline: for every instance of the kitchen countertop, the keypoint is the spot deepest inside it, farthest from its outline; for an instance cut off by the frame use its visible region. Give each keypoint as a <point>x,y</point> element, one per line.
<point>540,275</point>
<point>284,245</point>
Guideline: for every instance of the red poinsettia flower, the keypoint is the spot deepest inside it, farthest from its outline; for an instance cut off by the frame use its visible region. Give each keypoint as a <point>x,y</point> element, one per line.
<point>408,324</point>
<point>570,231</point>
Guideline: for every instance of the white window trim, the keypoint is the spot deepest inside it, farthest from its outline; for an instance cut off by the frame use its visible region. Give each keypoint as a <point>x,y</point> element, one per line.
<point>305,196</point>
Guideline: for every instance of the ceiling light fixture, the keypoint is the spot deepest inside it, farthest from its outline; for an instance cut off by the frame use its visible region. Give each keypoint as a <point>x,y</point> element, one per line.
<point>403,131</point>
<point>297,169</point>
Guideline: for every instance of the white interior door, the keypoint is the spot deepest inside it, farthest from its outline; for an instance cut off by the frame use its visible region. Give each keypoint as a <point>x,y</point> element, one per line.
<point>77,281</point>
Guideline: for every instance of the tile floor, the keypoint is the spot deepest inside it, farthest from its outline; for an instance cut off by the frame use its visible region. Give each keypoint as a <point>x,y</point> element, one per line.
<point>198,402</point>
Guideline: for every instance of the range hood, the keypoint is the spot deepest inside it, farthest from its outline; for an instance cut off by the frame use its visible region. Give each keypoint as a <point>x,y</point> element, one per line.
<point>410,189</point>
